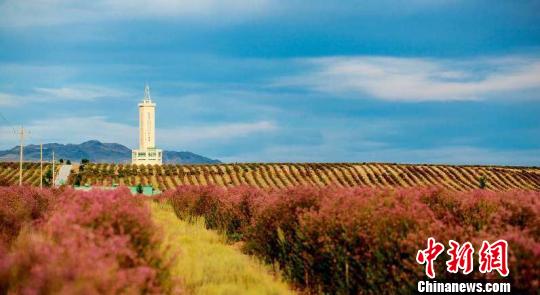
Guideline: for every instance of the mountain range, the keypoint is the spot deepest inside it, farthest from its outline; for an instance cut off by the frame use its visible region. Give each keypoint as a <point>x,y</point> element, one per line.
<point>97,151</point>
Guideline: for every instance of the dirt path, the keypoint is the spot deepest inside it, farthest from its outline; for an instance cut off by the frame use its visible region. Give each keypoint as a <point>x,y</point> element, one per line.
<point>207,265</point>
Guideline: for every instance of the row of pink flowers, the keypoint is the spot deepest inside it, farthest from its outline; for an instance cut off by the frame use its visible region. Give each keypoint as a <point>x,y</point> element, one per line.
<point>68,242</point>
<point>362,240</point>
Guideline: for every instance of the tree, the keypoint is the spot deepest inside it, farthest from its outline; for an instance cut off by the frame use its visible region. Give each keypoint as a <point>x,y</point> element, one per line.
<point>47,178</point>
<point>68,162</point>
<point>77,180</point>
<point>61,161</point>
<point>482,182</point>
<point>85,161</point>
<point>139,188</point>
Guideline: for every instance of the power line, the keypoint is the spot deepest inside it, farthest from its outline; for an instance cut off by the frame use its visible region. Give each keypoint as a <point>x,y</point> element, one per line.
<point>14,127</point>
<point>4,118</point>
<point>8,123</point>
<point>22,133</point>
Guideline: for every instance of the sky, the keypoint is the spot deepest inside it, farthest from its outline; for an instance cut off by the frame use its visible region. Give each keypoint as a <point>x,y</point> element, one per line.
<point>418,81</point>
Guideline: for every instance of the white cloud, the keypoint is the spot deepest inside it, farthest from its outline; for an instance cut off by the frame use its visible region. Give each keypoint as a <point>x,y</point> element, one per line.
<point>22,73</point>
<point>80,93</point>
<point>419,79</point>
<point>68,93</point>
<point>77,130</point>
<point>7,99</point>
<point>17,13</point>
<point>189,135</point>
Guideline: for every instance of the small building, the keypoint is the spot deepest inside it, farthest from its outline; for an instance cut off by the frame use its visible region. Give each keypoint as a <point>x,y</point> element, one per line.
<point>147,152</point>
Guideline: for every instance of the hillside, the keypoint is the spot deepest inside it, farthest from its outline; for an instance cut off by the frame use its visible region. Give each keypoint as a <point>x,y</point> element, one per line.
<point>276,175</point>
<point>96,151</point>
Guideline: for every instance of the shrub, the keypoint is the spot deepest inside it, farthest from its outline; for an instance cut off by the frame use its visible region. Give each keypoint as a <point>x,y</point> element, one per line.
<point>482,182</point>
<point>362,240</point>
<point>21,206</point>
<point>95,242</point>
<point>47,177</point>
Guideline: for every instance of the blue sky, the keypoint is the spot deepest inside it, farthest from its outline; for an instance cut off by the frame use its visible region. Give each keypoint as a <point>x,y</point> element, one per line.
<point>445,81</point>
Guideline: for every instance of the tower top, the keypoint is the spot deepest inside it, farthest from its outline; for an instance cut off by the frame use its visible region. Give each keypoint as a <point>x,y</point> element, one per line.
<point>147,97</point>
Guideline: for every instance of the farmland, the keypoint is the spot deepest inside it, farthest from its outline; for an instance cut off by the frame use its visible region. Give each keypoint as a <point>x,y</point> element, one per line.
<point>282,175</point>
<point>203,238</point>
<point>9,172</point>
<point>336,240</point>
<point>339,228</point>
<point>62,241</point>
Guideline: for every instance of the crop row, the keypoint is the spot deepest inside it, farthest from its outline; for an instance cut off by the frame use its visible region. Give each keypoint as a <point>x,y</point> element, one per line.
<point>337,240</point>
<point>281,175</point>
<point>9,173</point>
<point>59,241</point>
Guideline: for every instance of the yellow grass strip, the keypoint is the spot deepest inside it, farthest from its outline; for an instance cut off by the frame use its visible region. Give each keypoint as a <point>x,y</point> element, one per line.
<point>206,264</point>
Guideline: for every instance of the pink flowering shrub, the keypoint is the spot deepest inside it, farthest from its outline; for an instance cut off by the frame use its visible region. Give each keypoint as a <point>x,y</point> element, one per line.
<point>86,243</point>
<point>364,240</point>
<point>230,211</point>
<point>21,206</point>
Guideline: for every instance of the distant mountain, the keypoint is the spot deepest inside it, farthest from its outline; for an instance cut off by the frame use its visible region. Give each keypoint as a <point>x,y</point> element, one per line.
<point>186,158</point>
<point>96,151</point>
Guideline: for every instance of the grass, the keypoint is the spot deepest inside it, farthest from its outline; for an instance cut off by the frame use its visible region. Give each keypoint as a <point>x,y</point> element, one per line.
<point>206,264</point>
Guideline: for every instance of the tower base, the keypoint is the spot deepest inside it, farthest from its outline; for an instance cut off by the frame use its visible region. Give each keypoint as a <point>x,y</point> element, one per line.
<point>149,156</point>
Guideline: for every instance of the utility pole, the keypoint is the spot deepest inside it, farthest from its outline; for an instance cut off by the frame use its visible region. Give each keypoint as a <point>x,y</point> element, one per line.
<point>21,139</point>
<point>52,169</point>
<point>41,166</point>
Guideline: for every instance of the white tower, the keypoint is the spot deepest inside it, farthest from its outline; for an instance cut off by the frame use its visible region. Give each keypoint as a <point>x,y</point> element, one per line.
<point>147,152</point>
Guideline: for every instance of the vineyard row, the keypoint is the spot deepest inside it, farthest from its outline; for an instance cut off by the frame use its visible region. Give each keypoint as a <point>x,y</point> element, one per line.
<point>9,173</point>
<point>165,177</point>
